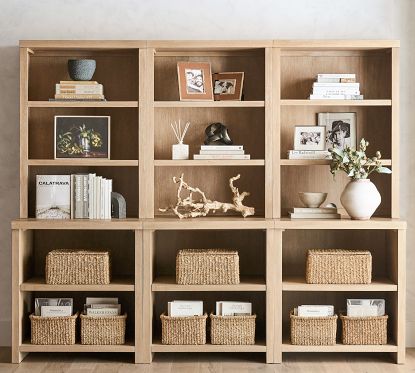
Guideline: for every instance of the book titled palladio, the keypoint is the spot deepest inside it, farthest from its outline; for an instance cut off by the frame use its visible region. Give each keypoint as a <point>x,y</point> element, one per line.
<point>53,197</point>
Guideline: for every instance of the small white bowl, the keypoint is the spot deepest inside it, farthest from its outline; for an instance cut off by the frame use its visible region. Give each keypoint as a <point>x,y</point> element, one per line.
<point>312,199</point>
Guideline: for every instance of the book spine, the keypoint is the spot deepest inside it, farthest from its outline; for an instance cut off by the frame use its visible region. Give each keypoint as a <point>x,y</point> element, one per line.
<point>329,91</point>
<point>221,147</point>
<point>109,199</point>
<point>338,76</point>
<point>97,197</point>
<point>102,312</point>
<point>221,157</point>
<point>78,197</point>
<point>68,91</point>
<point>85,196</point>
<point>77,82</point>
<point>72,196</point>
<point>101,198</point>
<point>336,80</point>
<point>337,85</point>
<point>336,97</point>
<point>219,152</point>
<point>91,196</point>
<point>78,96</point>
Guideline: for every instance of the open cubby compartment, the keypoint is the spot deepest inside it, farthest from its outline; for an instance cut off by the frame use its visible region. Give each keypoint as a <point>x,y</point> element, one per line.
<point>317,178</point>
<point>119,243</point>
<point>116,70</point>
<point>209,299</point>
<point>126,300</point>
<point>124,181</point>
<point>299,69</point>
<point>380,243</point>
<point>250,245</point>
<point>123,130</point>
<point>214,182</point>
<point>339,300</point>
<point>246,126</point>
<point>372,123</point>
<point>249,61</point>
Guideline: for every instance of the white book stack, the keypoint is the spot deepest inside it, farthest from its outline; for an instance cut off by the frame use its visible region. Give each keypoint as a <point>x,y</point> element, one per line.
<point>308,154</point>
<point>314,213</point>
<point>68,90</point>
<point>336,87</point>
<point>90,197</point>
<point>222,152</point>
<point>102,307</point>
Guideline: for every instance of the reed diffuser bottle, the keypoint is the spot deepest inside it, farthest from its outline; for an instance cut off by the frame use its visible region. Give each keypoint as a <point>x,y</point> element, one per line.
<point>180,150</point>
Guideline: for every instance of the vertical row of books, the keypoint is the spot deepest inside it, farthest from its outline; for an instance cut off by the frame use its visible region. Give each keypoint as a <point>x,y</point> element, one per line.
<point>76,196</point>
<point>71,90</point>
<point>336,87</point>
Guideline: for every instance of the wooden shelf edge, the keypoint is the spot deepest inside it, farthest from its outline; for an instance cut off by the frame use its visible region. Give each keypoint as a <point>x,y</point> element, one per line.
<point>117,284</point>
<point>115,224</point>
<point>209,162</point>
<point>168,283</point>
<point>74,104</point>
<point>343,223</point>
<point>257,347</point>
<point>208,104</point>
<point>299,284</point>
<point>83,162</point>
<point>28,347</point>
<point>306,102</point>
<point>288,347</point>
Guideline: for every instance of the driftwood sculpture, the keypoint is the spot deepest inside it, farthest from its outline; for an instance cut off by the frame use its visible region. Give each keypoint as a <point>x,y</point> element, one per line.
<point>188,208</point>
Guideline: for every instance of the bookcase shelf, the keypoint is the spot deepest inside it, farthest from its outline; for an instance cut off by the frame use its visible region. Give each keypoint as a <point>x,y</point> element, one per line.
<point>141,87</point>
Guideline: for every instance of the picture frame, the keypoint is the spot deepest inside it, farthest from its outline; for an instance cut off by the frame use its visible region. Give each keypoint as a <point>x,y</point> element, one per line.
<point>309,138</point>
<point>228,86</point>
<point>195,81</point>
<point>82,136</point>
<point>341,129</point>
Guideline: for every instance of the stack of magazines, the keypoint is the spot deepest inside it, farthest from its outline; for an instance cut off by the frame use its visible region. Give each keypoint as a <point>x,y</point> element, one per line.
<point>336,87</point>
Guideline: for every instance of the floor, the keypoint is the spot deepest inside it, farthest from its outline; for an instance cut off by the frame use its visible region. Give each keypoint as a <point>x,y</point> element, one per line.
<point>206,363</point>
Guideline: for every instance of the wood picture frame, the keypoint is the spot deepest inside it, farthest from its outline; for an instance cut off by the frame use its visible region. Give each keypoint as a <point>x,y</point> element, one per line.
<point>82,136</point>
<point>228,86</point>
<point>195,82</point>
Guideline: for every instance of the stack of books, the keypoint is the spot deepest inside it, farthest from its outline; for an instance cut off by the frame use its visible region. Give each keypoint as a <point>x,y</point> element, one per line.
<point>224,308</point>
<point>308,154</point>
<point>102,307</point>
<point>71,90</point>
<point>77,196</point>
<point>314,310</point>
<point>314,213</point>
<point>222,152</point>
<point>336,87</point>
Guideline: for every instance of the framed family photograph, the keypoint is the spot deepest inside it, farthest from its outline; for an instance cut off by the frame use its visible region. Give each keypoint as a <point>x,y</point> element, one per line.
<point>82,136</point>
<point>228,86</point>
<point>340,129</point>
<point>195,82</point>
<point>309,138</point>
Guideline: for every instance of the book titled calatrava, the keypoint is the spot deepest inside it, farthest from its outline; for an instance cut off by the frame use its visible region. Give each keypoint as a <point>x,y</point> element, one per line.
<point>53,197</point>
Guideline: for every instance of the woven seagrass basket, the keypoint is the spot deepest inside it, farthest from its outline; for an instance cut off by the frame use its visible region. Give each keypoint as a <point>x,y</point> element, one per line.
<point>189,330</point>
<point>372,330</point>
<point>336,266</point>
<point>78,267</point>
<point>313,331</point>
<point>207,267</point>
<point>103,330</point>
<point>53,330</point>
<point>232,330</point>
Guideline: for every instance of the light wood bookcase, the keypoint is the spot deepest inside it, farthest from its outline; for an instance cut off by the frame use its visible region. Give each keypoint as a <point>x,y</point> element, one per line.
<point>141,87</point>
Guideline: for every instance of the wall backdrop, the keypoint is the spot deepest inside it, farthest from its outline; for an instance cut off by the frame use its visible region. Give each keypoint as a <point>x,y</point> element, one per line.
<point>196,19</point>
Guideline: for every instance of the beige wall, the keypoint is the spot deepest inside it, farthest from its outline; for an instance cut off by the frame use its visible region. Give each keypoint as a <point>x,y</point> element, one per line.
<point>193,19</point>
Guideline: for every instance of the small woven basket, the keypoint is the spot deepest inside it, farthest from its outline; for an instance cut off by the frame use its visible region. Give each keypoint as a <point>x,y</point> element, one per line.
<point>338,266</point>
<point>232,330</point>
<point>207,267</point>
<point>103,330</point>
<point>53,330</point>
<point>189,330</point>
<point>313,331</point>
<point>77,267</point>
<point>371,330</point>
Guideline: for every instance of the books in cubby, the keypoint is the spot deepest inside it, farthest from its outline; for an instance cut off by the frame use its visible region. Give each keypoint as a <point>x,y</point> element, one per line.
<point>222,152</point>
<point>314,213</point>
<point>182,308</point>
<point>53,307</point>
<point>228,308</point>
<point>312,310</point>
<point>336,87</point>
<point>76,196</point>
<point>71,90</point>
<point>102,307</point>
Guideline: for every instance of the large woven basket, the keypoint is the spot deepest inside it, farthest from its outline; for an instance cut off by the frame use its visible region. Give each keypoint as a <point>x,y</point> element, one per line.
<point>204,267</point>
<point>232,330</point>
<point>189,330</point>
<point>313,331</point>
<point>103,330</point>
<point>78,267</point>
<point>371,330</point>
<point>53,330</point>
<point>338,266</point>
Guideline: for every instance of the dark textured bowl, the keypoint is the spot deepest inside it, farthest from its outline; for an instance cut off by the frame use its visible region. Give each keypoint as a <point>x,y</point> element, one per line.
<point>81,69</point>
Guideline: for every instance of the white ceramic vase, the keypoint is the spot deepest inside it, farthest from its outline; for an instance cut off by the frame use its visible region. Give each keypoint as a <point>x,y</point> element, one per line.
<point>360,198</point>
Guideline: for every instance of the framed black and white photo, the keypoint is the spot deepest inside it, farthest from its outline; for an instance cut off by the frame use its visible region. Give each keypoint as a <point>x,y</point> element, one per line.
<point>194,81</point>
<point>82,136</point>
<point>228,86</point>
<point>309,138</point>
<point>340,129</point>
